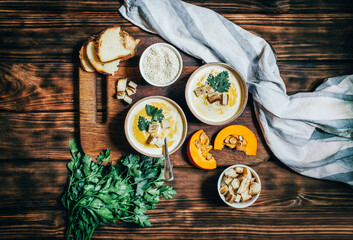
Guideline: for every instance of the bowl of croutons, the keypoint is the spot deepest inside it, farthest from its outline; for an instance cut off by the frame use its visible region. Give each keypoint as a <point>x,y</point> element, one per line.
<point>239,186</point>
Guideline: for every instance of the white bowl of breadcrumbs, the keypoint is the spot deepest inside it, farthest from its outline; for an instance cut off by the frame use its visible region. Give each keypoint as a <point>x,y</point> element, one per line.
<point>161,64</point>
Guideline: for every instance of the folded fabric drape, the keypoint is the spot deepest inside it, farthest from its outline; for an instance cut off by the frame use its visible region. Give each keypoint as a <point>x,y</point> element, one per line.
<point>310,132</point>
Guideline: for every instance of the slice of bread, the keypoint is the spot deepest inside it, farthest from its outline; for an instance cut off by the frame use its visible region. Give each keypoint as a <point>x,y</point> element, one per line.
<point>83,59</point>
<point>115,44</point>
<point>106,68</point>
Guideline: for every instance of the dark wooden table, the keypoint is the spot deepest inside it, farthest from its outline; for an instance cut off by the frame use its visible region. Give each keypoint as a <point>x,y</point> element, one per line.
<point>39,113</point>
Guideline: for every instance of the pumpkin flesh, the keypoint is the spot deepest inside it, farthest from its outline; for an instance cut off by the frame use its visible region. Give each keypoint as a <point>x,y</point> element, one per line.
<point>198,157</point>
<point>235,131</point>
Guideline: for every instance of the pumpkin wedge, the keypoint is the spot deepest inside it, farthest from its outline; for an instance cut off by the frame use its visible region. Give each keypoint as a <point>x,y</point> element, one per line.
<point>198,151</point>
<point>237,136</point>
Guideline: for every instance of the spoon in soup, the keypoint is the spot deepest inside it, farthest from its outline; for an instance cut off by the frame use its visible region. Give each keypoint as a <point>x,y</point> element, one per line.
<point>168,168</point>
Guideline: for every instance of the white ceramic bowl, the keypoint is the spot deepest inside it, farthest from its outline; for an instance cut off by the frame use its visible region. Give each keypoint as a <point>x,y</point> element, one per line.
<point>149,151</point>
<point>235,204</point>
<point>211,116</point>
<point>142,70</point>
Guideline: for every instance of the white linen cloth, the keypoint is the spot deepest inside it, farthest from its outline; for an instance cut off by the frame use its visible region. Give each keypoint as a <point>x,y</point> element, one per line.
<point>311,133</point>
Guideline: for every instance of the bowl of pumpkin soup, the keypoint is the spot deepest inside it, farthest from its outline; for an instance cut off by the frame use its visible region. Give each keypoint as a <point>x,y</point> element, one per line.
<point>150,121</point>
<point>216,93</point>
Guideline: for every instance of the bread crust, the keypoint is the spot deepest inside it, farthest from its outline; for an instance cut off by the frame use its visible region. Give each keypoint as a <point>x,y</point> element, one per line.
<point>85,64</point>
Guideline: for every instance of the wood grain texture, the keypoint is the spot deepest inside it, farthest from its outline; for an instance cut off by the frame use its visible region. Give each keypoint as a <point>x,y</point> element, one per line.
<point>307,208</point>
<point>294,37</point>
<point>245,6</point>
<point>39,113</point>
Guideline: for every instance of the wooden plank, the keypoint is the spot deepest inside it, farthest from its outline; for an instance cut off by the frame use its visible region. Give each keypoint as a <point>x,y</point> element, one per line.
<point>37,87</point>
<point>290,205</point>
<point>276,6</point>
<point>247,6</point>
<point>37,135</point>
<point>302,37</point>
<point>304,76</point>
<point>295,37</point>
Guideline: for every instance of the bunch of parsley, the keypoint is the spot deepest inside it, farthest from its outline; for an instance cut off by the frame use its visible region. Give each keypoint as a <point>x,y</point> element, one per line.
<point>100,193</point>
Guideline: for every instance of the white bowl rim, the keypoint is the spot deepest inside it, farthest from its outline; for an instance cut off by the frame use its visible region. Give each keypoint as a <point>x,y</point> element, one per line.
<point>241,82</point>
<point>183,117</point>
<point>239,205</point>
<point>178,56</point>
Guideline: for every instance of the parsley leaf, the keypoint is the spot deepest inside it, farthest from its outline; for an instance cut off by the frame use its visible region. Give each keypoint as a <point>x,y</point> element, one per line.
<point>220,82</point>
<point>167,192</point>
<point>143,123</point>
<point>154,112</point>
<point>103,157</point>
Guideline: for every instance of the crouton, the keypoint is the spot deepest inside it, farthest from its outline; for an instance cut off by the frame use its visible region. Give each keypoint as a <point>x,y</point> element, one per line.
<point>121,86</point>
<point>208,89</point>
<point>151,139</point>
<point>231,173</point>
<point>153,127</point>
<point>244,185</point>
<point>130,91</point>
<point>228,197</point>
<point>165,123</point>
<point>235,183</point>
<point>213,97</point>
<point>199,91</point>
<point>224,99</point>
<point>254,188</point>
<point>245,196</point>
<point>232,199</point>
<point>241,177</point>
<point>127,99</point>
<point>224,189</point>
<point>228,180</point>
<point>132,84</point>
<point>247,173</point>
<point>120,95</point>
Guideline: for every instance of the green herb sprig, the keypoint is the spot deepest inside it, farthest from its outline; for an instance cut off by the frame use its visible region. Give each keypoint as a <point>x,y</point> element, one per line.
<point>143,123</point>
<point>154,112</point>
<point>99,194</point>
<point>220,82</point>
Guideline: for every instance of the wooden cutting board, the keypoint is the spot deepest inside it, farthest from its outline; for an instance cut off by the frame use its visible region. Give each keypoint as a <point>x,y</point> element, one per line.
<point>102,119</point>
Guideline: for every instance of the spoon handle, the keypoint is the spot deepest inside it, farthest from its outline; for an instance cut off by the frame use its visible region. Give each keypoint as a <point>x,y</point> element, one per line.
<point>168,168</point>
